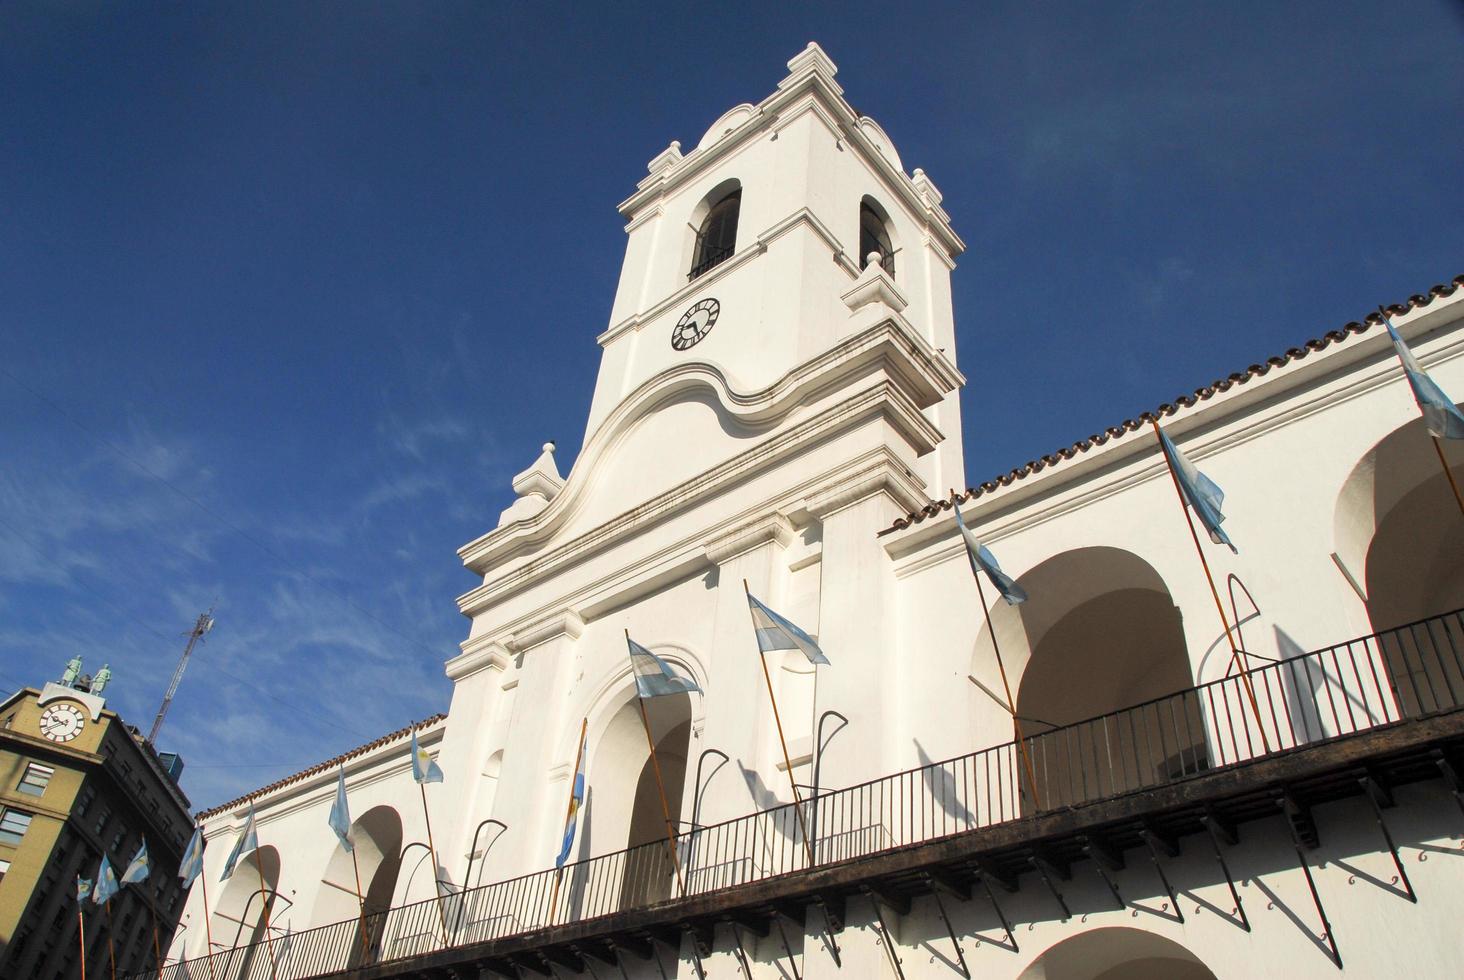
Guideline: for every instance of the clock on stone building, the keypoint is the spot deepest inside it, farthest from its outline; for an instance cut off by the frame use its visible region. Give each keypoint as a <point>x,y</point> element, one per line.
<point>695,324</point>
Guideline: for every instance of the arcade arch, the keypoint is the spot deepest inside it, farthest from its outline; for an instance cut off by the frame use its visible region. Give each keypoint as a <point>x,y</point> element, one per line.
<point>1099,632</point>
<point>1117,953</point>
<point>239,912</point>
<point>377,836</point>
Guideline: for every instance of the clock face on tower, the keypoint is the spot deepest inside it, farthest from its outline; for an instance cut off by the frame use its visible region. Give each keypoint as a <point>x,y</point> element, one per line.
<point>62,722</point>
<point>695,324</point>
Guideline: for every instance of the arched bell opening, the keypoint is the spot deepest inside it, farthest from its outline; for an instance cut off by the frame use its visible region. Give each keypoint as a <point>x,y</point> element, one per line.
<point>1117,953</point>
<point>1399,530</point>
<point>1099,634</point>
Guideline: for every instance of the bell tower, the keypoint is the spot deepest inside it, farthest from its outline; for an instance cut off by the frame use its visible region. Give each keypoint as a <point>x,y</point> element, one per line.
<point>751,254</point>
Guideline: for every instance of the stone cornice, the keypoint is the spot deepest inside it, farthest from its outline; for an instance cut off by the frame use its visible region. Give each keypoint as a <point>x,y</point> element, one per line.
<point>882,472</point>
<point>479,653</point>
<point>882,399</point>
<point>924,376</point>
<point>566,623</point>
<point>772,528</point>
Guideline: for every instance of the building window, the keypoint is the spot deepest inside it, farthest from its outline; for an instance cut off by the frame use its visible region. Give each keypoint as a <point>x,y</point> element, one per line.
<point>716,240</point>
<point>117,840</point>
<point>101,823</point>
<point>4,869</point>
<point>84,801</point>
<point>874,236</point>
<point>13,825</point>
<point>35,778</point>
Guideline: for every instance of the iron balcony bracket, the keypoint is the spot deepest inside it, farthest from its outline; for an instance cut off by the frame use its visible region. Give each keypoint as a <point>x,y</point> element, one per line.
<point>1221,830</point>
<point>1303,833</point>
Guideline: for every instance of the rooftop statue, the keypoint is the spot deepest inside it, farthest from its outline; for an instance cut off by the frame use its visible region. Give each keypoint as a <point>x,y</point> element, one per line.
<point>100,681</point>
<point>73,670</point>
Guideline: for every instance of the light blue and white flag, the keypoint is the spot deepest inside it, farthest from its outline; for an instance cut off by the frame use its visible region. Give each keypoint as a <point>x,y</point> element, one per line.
<point>247,843</point>
<point>654,677</point>
<point>340,813</point>
<point>776,633</point>
<point>139,868</point>
<point>1440,414</point>
<point>983,560</point>
<point>424,770</point>
<point>192,864</point>
<point>576,800</point>
<point>83,889</point>
<point>106,885</point>
<point>1202,493</point>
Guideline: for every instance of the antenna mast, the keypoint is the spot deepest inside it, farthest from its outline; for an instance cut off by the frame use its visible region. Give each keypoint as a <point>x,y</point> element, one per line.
<point>204,624</point>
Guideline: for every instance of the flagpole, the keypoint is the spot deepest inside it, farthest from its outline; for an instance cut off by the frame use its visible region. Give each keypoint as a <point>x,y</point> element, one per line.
<point>568,810</point>
<point>81,935</point>
<point>264,911</point>
<point>207,925</point>
<point>1010,703</point>
<point>111,950</point>
<point>660,786</point>
<point>432,850</point>
<point>361,901</point>
<point>787,762</point>
<point>1235,657</point>
<point>1438,445</point>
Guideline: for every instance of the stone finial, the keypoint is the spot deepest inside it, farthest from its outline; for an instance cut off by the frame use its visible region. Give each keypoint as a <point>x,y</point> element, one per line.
<point>666,159</point>
<point>926,188</point>
<point>811,61</point>
<point>535,486</point>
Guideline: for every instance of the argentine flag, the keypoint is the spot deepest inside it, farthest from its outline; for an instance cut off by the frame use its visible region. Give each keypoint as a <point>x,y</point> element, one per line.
<point>247,843</point>
<point>983,560</point>
<point>340,814</point>
<point>654,677</point>
<point>192,864</point>
<point>424,770</point>
<point>1440,414</point>
<point>1202,493</point>
<point>139,868</point>
<point>776,633</point>
<point>83,889</point>
<point>106,883</point>
<point>576,800</point>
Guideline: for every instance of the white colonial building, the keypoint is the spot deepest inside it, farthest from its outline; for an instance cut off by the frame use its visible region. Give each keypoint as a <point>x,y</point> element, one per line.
<point>778,405</point>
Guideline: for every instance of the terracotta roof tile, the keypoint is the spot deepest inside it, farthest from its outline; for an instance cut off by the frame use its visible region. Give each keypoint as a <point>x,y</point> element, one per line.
<point>1416,301</point>
<point>321,766</point>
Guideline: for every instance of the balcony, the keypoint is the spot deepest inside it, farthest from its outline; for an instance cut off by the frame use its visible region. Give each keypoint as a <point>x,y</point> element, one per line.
<point>1353,719</point>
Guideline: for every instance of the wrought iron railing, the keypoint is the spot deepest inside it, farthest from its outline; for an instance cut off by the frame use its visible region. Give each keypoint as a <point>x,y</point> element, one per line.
<point>711,255</point>
<point>1408,672</point>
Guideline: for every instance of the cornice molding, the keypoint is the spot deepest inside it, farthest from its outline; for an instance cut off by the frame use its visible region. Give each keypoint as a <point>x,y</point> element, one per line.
<point>566,623</point>
<point>771,528</point>
<point>882,473</point>
<point>480,653</point>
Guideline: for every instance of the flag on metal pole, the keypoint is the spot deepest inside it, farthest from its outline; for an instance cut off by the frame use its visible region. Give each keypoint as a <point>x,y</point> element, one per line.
<point>576,798</point>
<point>340,813</point>
<point>247,843</point>
<point>1203,494</point>
<point>192,864</point>
<point>654,677</point>
<point>424,770</point>
<point>1440,414</point>
<point>983,560</point>
<point>83,889</point>
<point>138,868</point>
<point>776,633</point>
<point>106,885</point>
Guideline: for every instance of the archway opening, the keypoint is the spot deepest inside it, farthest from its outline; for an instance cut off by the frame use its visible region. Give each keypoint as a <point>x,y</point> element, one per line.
<point>247,901</point>
<point>1117,953</point>
<point>1100,633</point>
<point>1399,529</point>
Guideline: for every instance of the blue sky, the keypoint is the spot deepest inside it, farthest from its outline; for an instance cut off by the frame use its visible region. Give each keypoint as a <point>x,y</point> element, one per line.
<point>289,292</point>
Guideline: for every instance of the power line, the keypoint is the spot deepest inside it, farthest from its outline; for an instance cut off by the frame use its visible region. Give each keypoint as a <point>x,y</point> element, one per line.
<point>144,468</point>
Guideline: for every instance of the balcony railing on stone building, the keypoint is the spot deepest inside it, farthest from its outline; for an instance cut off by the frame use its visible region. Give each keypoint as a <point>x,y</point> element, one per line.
<point>1401,674</point>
